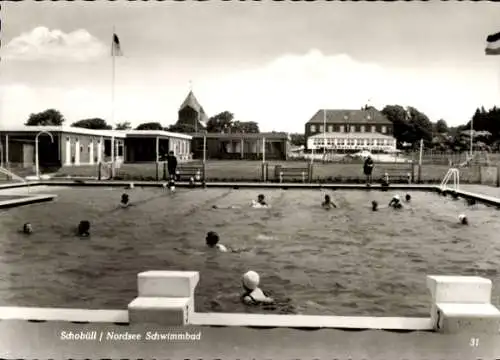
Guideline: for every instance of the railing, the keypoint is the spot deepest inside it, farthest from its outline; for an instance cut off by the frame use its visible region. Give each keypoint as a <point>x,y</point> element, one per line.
<point>10,174</point>
<point>454,175</point>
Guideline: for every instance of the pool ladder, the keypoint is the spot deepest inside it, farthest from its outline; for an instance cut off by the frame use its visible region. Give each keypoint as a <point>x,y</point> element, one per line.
<point>453,174</point>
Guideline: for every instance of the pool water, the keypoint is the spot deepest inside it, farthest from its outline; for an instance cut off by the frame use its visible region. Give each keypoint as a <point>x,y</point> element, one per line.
<point>346,261</point>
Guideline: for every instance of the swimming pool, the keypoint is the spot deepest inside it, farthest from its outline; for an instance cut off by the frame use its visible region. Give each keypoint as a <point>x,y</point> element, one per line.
<point>347,261</point>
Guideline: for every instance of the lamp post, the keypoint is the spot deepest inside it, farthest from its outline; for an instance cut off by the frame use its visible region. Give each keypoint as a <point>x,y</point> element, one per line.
<point>346,118</point>
<point>37,165</point>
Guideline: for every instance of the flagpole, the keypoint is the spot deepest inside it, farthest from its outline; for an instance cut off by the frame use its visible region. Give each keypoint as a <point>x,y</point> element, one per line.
<point>113,104</point>
<point>471,135</point>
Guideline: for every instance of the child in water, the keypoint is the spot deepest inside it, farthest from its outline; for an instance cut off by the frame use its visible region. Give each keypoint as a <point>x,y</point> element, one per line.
<point>124,202</point>
<point>84,228</point>
<point>328,204</point>
<point>27,228</point>
<point>395,202</point>
<point>253,295</point>
<point>463,219</point>
<point>374,205</point>
<point>261,202</point>
<point>212,240</point>
<point>408,197</point>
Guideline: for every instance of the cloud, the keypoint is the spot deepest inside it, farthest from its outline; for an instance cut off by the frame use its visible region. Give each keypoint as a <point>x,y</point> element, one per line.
<point>42,44</point>
<point>285,93</point>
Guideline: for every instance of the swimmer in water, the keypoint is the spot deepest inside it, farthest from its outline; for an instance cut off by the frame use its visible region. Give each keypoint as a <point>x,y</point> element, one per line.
<point>374,205</point>
<point>212,240</point>
<point>84,228</point>
<point>408,197</point>
<point>171,185</point>
<point>253,295</point>
<point>261,202</point>
<point>463,219</point>
<point>124,202</point>
<point>27,229</point>
<point>395,202</point>
<point>328,203</point>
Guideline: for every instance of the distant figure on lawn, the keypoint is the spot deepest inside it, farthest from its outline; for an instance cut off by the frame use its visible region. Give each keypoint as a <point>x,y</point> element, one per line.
<point>171,165</point>
<point>328,203</point>
<point>368,169</point>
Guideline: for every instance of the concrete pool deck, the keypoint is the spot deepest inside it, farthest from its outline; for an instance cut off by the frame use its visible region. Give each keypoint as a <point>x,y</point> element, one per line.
<point>48,332</point>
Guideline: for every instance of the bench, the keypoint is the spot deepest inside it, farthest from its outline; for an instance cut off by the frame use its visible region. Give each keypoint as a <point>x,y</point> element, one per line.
<point>186,172</point>
<point>398,174</point>
<point>282,174</point>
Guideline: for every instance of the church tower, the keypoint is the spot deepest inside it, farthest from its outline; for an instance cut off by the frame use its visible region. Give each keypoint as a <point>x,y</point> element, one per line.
<point>191,113</point>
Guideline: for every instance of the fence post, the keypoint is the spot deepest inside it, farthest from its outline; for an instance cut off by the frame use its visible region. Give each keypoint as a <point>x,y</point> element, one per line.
<point>419,178</point>
<point>277,170</point>
<point>412,171</point>
<point>310,171</point>
<point>164,170</point>
<point>263,172</point>
<point>99,171</point>
<point>157,171</point>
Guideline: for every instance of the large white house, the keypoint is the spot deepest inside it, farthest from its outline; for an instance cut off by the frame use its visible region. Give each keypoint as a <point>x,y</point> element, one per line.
<point>353,130</point>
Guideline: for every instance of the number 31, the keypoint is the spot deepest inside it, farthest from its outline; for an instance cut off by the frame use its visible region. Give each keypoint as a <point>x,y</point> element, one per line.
<point>474,342</point>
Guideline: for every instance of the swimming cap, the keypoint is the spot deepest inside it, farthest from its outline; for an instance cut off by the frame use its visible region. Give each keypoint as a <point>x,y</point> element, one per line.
<point>251,280</point>
<point>396,197</point>
<point>461,217</point>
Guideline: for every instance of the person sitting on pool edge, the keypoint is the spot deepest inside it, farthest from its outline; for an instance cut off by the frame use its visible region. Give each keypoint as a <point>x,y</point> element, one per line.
<point>395,202</point>
<point>84,228</point>
<point>27,229</point>
<point>212,240</point>
<point>463,219</point>
<point>328,203</point>
<point>253,295</point>
<point>261,201</point>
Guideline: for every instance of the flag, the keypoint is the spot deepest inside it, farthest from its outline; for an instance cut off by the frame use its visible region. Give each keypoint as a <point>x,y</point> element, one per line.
<point>115,46</point>
<point>493,44</point>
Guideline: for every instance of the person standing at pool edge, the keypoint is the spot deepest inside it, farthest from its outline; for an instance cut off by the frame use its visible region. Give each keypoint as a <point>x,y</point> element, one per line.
<point>367,169</point>
<point>171,165</point>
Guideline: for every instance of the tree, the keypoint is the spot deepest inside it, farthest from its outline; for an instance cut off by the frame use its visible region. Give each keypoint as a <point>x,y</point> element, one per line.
<point>298,139</point>
<point>400,122</point>
<point>50,117</point>
<point>150,126</point>
<point>249,127</point>
<point>94,124</point>
<point>441,126</point>
<point>181,128</point>
<point>123,126</point>
<point>422,126</point>
<point>221,122</point>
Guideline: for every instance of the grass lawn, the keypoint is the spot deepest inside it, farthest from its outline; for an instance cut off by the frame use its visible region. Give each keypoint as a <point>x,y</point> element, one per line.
<point>241,170</point>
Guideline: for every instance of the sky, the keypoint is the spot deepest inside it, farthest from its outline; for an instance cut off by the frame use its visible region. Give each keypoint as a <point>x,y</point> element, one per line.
<point>275,63</point>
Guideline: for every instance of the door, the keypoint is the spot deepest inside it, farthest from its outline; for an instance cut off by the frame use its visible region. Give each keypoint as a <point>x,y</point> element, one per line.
<point>67,152</point>
<point>28,155</point>
<point>77,151</point>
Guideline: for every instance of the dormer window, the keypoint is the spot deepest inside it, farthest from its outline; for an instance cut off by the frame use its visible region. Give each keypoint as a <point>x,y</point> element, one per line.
<point>313,128</point>
<point>384,129</point>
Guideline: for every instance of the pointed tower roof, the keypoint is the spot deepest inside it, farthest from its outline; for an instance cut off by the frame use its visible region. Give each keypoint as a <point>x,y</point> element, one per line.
<point>193,103</point>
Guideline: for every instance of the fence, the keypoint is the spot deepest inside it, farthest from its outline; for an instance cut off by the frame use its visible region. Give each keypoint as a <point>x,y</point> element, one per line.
<point>292,171</point>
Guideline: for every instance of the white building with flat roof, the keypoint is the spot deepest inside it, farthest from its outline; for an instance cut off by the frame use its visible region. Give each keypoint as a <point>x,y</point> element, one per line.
<point>353,141</point>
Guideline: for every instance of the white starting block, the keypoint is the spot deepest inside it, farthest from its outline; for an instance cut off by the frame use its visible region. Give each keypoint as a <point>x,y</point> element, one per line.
<point>463,304</point>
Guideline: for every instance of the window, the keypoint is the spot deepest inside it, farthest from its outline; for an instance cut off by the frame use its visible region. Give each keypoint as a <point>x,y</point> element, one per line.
<point>330,128</point>
<point>353,128</point>
<point>375,142</point>
<point>341,128</point>
<point>385,142</point>
<point>81,148</point>
<point>384,129</point>
<point>350,142</point>
<point>373,128</point>
<point>341,142</point>
<point>362,128</point>
<point>67,138</point>
<point>321,128</point>
<point>313,128</point>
